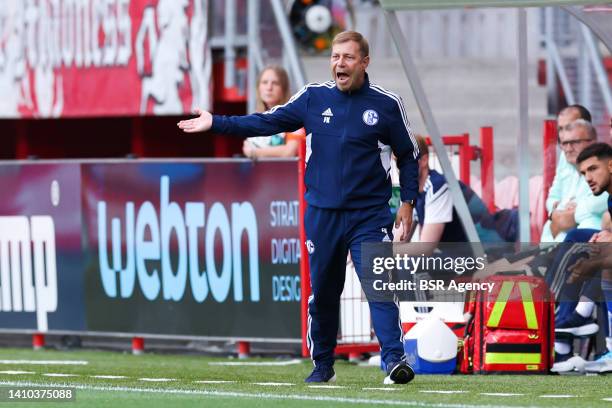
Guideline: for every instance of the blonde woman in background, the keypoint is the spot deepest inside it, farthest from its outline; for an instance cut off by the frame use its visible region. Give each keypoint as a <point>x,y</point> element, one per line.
<point>273,89</point>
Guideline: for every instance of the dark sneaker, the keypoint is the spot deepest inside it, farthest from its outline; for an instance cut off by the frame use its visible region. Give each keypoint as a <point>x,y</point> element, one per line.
<point>578,326</point>
<point>399,373</point>
<point>321,375</point>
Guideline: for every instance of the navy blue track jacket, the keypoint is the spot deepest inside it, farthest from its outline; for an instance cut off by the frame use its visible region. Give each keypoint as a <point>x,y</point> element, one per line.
<point>349,140</point>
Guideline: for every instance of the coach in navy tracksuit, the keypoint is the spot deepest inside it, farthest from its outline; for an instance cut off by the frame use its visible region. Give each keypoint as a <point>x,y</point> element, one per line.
<point>352,127</point>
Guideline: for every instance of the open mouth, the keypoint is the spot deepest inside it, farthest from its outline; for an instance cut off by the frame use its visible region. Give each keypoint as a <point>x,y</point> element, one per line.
<point>341,76</point>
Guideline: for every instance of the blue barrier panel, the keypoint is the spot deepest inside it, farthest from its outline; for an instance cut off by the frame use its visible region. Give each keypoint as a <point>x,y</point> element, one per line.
<point>41,259</point>
<point>203,248</point>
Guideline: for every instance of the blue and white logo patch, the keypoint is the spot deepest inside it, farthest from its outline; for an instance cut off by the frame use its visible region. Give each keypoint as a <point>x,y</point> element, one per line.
<point>370,117</point>
<point>310,247</point>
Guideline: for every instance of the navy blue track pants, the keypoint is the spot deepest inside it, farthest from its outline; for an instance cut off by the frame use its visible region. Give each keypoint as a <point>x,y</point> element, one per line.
<point>567,294</point>
<point>330,235</point>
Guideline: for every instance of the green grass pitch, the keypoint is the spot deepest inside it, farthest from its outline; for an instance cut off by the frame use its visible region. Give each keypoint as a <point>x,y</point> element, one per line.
<point>182,389</point>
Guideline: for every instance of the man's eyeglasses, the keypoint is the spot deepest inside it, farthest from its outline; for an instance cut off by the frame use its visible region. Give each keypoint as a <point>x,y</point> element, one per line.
<point>571,143</point>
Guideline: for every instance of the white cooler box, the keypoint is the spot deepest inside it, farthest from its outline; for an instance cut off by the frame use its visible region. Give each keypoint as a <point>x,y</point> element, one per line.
<point>431,347</point>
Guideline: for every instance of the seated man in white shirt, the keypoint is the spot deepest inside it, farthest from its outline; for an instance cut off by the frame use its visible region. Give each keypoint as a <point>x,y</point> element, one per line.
<point>570,202</point>
<point>437,219</point>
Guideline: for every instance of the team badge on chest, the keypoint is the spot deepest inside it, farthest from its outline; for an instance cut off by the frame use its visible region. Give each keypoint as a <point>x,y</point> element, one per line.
<point>370,117</point>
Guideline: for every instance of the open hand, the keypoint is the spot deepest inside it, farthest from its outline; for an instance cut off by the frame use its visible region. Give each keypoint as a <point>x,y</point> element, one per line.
<point>404,217</point>
<point>602,236</point>
<point>200,124</point>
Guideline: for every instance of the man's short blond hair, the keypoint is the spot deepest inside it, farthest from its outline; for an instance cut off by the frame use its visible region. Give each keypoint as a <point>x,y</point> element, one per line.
<point>347,36</point>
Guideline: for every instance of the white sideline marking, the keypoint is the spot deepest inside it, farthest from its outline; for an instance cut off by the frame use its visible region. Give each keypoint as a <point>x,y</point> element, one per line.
<point>298,397</point>
<point>607,399</point>
<point>214,382</point>
<point>500,394</point>
<point>557,396</point>
<point>274,383</point>
<point>110,377</point>
<point>379,389</point>
<point>327,386</point>
<point>46,362</point>
<point>443,391</point>
<point>157,379</point>
<point>13,372</point>
<point>59,375</point>
<point>255,363</point>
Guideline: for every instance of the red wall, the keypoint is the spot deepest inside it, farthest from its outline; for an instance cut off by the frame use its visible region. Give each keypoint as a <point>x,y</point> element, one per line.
<point>147,136</point>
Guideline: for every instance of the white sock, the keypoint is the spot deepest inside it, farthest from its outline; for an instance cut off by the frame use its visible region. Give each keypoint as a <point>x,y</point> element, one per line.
<point>562,348</point>
<point>585,309</point>
<point>609,343</point>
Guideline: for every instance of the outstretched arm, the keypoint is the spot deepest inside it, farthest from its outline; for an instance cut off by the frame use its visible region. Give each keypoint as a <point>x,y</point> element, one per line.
<point>282,118</point>
<point>200,124</point>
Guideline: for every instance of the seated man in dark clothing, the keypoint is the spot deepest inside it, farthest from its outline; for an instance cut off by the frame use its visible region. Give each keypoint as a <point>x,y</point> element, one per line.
<point>574,318</point>
<point>437,218</point>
